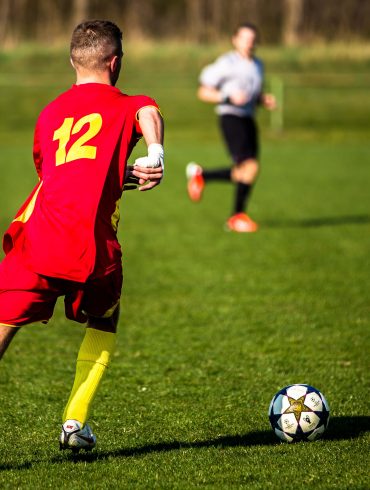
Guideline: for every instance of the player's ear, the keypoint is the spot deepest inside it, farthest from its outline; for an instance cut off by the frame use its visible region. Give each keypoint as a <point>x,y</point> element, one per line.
<point>114,63</point>
<point>70,59</point>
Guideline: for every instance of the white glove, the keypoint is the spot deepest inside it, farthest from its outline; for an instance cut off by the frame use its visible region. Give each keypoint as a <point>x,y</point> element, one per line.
<point>154,159</point>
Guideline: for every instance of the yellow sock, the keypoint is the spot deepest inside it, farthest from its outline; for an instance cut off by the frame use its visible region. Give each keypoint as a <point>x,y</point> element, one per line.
<point>93,358</point>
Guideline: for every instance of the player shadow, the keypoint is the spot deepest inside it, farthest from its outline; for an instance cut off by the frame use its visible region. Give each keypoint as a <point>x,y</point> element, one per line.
<point>360,219</point>
<point>340,428</point>
<point>251,439</point>
<point>260,438</point>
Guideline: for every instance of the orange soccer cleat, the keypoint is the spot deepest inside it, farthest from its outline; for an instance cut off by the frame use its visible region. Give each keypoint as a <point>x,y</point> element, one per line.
<point>194,174</point>
<point>241,223</point>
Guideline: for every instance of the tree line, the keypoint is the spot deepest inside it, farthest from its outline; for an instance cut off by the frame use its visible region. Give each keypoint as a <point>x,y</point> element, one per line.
<point>280,21</point>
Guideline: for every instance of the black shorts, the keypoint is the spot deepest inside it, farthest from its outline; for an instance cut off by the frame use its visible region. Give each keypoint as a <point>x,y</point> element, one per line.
<point>241,136</point>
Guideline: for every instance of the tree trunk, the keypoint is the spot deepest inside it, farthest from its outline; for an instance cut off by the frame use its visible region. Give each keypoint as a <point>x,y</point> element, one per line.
<point>194,18</point>
<point>80,11</point>
<point>215,18</point>
<point>293,14</point>
<point>4,19</point>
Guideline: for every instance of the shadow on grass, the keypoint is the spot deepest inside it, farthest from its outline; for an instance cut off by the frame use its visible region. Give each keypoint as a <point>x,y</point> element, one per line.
<point>262,438</point>
<point>340,428</point>
<point>360,219</point>
<point>344,428</point>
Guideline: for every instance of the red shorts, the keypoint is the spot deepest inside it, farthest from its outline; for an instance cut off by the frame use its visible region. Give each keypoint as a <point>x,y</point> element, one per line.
<point>27,297</point>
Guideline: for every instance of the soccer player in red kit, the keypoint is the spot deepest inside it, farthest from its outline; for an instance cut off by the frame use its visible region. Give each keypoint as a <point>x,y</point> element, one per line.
<point>63,240</point>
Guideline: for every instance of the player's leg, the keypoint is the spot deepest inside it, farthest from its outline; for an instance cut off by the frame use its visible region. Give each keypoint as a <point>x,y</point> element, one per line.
<point>244,175</point>
<point>242,138</point>
<point>25,298</point>
<point>195,181</point>
<point>7,334</point>
<point>198,176</point>
<point>94,357</point>
<point>227,126</point>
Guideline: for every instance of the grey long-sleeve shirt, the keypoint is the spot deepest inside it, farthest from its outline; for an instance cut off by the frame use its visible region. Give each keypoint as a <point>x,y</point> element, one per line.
<point>231,72</point>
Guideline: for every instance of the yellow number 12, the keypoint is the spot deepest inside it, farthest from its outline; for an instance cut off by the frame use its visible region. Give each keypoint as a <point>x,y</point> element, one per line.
<point>78,149</point>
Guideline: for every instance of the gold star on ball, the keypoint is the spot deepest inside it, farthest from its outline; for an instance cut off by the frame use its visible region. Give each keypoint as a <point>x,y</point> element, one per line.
<point>297,407</point>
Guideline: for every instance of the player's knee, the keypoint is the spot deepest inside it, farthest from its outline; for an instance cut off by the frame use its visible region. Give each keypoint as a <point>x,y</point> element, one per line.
<point>106,324</point>
<point>103,324</point>
<point>246,171</point>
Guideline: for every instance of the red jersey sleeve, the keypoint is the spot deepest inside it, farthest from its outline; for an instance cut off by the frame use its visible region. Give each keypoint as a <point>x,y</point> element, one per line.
<point>138,102</point>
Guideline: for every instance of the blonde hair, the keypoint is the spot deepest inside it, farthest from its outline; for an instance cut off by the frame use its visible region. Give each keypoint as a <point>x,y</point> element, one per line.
<point>94,43</point>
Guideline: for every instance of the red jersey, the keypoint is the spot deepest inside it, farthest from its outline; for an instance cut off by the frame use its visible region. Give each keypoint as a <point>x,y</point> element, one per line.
<point>67,226</point>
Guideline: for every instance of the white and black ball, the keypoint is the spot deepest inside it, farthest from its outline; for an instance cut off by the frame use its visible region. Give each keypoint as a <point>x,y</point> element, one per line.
<point>299,413</point>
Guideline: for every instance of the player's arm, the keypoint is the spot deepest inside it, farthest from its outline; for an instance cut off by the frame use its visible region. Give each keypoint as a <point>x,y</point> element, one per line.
<point>210,94</point>
<point>268,101</point>
<point>211,82</point>
<point>149,169</point>
<point>216,96</point>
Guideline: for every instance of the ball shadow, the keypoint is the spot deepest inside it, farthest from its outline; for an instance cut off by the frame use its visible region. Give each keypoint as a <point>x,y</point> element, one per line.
<point>347,428</point>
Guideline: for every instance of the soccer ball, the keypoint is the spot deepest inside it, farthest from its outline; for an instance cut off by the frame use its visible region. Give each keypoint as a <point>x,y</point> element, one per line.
<point>299,413</point>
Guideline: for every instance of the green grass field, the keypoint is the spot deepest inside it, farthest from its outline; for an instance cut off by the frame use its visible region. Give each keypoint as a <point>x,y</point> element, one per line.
<point>213,324</point>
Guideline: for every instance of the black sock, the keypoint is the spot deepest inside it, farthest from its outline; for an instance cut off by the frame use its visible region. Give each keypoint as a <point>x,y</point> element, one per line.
<point>241,197</point>
<point>218,174</point>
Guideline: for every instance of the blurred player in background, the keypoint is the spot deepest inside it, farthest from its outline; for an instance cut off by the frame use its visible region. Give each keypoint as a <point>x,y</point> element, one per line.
<point>63,240</point>
<point>235,83</point>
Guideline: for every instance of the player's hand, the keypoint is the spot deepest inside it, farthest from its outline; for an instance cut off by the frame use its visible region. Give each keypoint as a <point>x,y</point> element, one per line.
<point>131,182</point>
<point>149,170</point>
<point>239,98</point>
<point>148,177</point>
<point>137,176</point>
<point>269,102</point>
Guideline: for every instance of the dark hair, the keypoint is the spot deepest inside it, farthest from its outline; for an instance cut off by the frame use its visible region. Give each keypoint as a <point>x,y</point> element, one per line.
<point>247,25</point>
<point>95,42</point>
